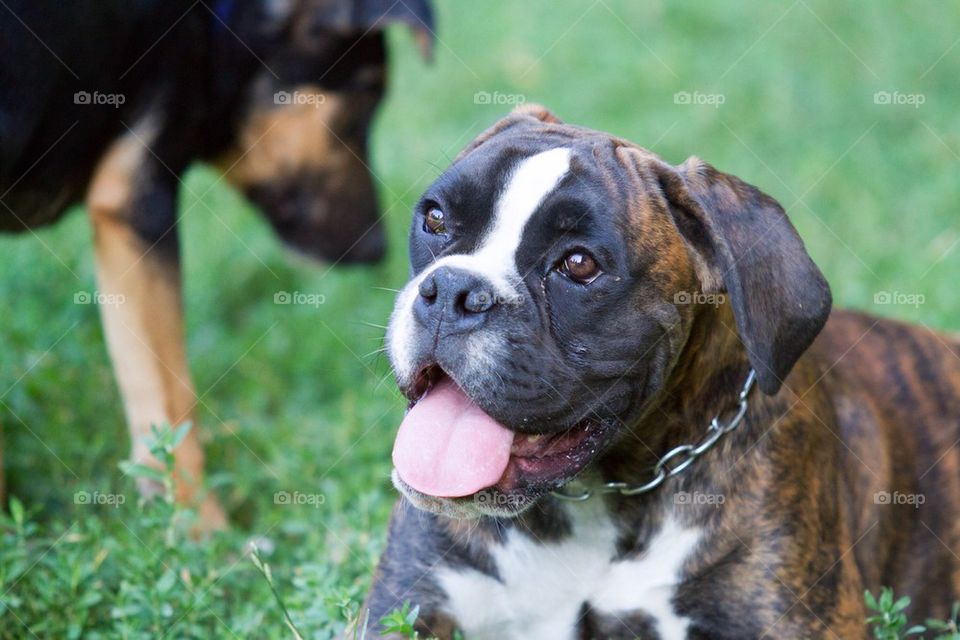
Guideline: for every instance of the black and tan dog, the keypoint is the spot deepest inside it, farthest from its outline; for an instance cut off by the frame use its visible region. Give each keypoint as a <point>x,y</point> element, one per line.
<point>580,308</point>
<point>111,100</point>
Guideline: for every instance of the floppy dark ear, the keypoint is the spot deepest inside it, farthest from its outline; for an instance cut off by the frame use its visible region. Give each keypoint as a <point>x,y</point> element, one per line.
<point>746,246</point>
<point>527,113</point>
<point>417,14</point>
<point>369,15</point>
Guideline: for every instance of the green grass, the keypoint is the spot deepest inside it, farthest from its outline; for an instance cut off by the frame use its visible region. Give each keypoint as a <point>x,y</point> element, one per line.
<point>888,619</point>
<point>296,399</point>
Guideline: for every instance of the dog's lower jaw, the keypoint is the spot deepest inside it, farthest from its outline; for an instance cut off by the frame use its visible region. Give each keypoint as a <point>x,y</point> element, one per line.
<point>466,508</point>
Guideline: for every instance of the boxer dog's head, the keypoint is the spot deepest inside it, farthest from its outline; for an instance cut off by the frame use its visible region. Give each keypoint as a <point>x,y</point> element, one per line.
<point>553,273</point>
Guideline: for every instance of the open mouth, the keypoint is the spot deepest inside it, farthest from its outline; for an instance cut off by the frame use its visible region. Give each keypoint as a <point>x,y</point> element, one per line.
<point>448,447</point>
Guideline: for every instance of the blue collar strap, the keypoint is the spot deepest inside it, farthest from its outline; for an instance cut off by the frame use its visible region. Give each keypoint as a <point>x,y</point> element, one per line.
<point>223,10</point>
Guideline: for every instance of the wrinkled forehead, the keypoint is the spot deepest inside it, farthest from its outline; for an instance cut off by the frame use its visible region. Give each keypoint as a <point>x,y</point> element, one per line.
<point>511,199</point>
<point>520,174</point>
<point>494,160</point>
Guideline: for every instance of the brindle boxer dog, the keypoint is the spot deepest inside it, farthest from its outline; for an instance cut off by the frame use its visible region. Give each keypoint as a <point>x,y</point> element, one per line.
<point>580,309</point>
<point>111,100</point>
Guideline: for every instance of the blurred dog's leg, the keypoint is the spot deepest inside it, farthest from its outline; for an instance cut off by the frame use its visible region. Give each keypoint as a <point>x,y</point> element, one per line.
<point>3,475</point>
<point>138,271</point>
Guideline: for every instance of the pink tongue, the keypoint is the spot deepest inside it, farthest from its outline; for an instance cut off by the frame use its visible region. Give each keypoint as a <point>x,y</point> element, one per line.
<point>448,447</point>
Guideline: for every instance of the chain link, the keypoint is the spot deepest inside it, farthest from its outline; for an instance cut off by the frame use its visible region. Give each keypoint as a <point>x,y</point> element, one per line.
<point>685,455</point>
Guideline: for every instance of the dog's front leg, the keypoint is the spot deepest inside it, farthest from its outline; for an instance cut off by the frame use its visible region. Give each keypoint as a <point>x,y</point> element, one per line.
<point>132,206</point>
<point>416,547</point>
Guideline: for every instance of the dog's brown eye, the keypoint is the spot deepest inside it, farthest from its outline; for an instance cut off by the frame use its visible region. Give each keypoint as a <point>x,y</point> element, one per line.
<point>580,267</point>
<point>435,221</point>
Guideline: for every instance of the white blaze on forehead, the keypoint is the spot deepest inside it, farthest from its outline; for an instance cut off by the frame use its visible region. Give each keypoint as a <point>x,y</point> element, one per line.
<point>494,259</point>
<point>531,182</point>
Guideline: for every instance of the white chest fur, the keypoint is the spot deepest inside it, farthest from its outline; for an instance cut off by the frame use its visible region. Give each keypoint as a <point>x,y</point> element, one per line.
<point>543,586</point>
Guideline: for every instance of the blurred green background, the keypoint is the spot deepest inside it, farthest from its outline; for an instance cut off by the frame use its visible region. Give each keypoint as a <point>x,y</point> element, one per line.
<point>846,113</point>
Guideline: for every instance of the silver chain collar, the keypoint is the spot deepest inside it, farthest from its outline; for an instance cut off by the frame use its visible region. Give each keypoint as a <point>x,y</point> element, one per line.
<point>686,453</point>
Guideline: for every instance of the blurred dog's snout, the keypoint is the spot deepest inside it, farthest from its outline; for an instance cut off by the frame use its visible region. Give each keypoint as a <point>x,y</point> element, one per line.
<point>457,298</point>
<point>369,249</point>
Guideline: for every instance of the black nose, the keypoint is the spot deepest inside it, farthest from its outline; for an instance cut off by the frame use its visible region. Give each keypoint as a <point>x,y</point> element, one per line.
<point>453,300</point>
